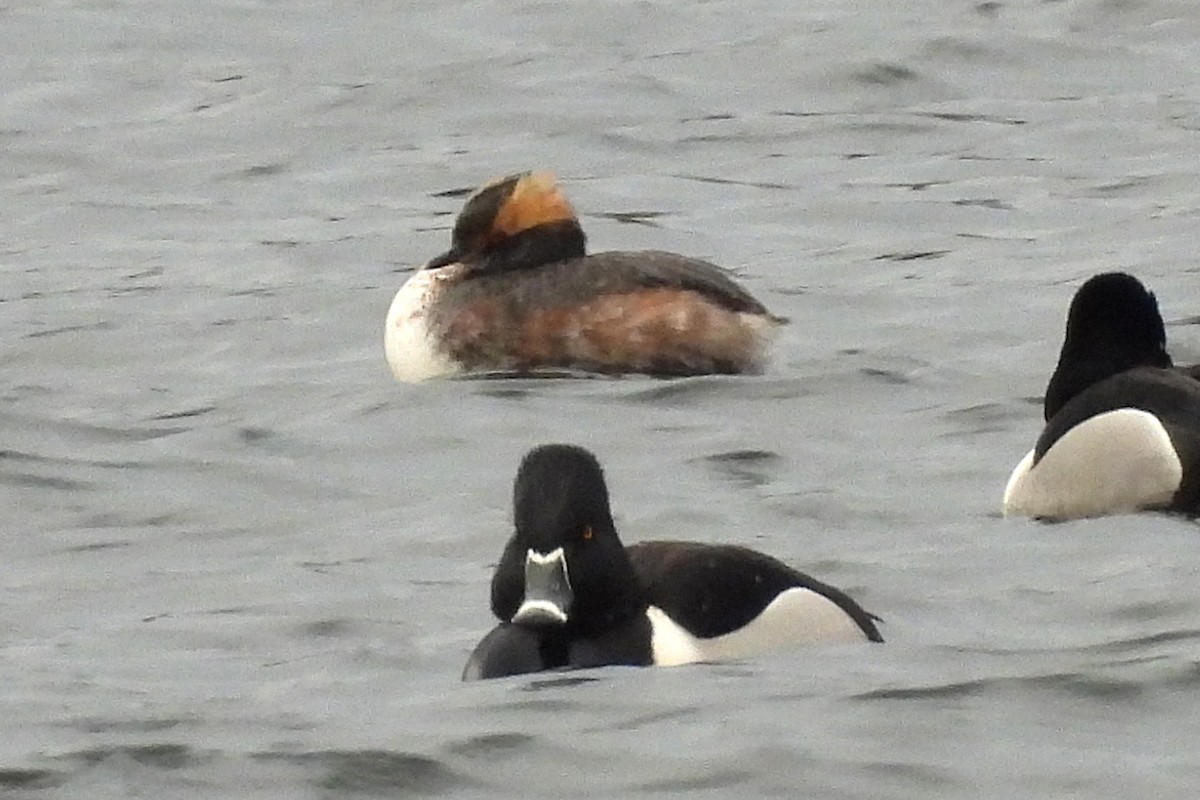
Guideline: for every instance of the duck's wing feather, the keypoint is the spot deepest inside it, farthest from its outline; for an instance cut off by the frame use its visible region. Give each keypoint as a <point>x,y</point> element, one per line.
<point>1171,395</point>
<point>712,590</point>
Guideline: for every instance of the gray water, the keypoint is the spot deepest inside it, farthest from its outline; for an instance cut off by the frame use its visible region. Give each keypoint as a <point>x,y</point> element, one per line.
<point>239,560</point>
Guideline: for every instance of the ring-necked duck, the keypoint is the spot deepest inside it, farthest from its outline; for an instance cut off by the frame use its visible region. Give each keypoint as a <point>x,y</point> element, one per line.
<point>1122,422</point>
<point>517,292</point>
<point>570,595</point>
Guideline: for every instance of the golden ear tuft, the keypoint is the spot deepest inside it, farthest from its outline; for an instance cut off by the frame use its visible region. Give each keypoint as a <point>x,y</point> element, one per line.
<point>535,200</point>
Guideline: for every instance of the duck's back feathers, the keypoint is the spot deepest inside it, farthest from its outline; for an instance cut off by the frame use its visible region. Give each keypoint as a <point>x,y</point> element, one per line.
<point>714,590</point>
<point>1171,396</point>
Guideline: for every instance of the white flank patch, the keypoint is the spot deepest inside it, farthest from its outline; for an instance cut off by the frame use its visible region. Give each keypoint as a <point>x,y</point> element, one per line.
<point>1117,462</point>
<point>797,616</point>
<point>411,350</point>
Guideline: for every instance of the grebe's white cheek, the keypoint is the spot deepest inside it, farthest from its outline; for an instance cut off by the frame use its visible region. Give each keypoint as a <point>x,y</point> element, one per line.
<point>412,350</point>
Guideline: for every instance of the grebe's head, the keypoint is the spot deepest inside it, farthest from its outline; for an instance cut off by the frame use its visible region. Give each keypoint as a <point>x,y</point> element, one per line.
<point>518,221</point>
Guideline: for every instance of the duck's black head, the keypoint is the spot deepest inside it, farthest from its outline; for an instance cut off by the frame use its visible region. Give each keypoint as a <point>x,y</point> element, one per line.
<point>564,565</point>
<point>515,222</point>
<point>1113,325</point>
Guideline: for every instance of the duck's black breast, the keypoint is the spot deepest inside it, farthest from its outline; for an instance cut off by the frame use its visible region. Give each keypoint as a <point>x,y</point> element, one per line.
<point>713,590</point>
<point>624,643</point>
<point>510,649</point>
<point>1171,395</point>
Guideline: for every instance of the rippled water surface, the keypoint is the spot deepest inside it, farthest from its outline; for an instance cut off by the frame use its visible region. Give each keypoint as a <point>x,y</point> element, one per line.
<point>240,561</point>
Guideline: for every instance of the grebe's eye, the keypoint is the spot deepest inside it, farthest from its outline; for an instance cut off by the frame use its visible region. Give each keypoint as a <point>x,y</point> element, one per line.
<point>587,533</point>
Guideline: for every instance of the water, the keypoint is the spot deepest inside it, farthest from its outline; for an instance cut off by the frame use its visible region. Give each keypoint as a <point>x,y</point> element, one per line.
<point>241,561</point>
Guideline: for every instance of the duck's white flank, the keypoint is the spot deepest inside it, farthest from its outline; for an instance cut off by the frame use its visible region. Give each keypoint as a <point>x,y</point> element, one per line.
<point>1113,463</point>
<point>411,349</point>
<point>796,616</point>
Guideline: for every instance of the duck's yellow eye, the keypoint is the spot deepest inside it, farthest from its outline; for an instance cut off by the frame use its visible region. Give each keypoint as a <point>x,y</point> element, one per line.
<point>587,533</point>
